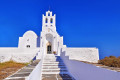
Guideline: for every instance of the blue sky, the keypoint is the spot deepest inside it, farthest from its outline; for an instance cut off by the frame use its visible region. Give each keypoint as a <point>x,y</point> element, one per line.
<point>82,23</point>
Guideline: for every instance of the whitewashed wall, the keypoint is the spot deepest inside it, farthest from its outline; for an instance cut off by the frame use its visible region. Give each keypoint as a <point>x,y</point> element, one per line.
<point>83,54</point>
<point>83,71</point>
<point>16,54</point>
<point>29,38</point>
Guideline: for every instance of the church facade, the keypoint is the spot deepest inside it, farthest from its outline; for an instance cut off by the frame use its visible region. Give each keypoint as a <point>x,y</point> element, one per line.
<point>49,42</point>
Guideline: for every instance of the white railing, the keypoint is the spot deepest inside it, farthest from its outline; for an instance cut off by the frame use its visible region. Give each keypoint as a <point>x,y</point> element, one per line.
<point>36,74</point>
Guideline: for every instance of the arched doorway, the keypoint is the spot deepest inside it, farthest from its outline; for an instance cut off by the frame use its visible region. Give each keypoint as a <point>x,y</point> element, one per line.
<point>49,44</point>
<point>49,48</point>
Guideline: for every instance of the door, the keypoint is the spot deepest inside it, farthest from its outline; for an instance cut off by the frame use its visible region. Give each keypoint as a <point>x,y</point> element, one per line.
<point>49,49</point>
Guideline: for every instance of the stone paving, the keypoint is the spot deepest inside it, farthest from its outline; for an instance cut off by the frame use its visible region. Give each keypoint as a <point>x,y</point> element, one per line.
<point>54,69</point>
<point>24,72</point>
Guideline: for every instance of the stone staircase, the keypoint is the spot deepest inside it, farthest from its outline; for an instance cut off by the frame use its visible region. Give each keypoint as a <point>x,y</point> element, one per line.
<point>53,68</point>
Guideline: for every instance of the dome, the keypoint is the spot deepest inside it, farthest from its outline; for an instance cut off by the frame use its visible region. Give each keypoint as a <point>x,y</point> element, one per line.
<point>30,33</point>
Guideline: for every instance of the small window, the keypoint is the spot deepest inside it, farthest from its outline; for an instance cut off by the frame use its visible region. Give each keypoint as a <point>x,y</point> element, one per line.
<point>28,46</point>
<point>46,20</point>
<point>51,20</point>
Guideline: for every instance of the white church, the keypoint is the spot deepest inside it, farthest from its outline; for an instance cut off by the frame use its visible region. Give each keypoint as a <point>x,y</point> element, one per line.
<point>56,60</point>
<point>50,42</point>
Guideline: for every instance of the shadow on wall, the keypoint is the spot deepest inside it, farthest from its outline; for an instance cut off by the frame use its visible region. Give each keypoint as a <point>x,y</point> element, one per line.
<point>83,71</point>
<point>38,42</point>
<point>34,58</point>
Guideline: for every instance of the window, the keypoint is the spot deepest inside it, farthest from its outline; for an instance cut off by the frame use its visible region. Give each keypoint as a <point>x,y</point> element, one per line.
<point>46,20</point>
<point>51,20</point>
<point>28,46</point>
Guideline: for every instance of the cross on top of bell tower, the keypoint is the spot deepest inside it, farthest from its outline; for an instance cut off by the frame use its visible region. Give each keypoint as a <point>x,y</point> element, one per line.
<point>48,20</point>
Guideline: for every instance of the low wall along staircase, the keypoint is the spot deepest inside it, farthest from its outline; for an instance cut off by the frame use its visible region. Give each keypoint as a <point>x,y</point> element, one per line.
<point>53,68</point>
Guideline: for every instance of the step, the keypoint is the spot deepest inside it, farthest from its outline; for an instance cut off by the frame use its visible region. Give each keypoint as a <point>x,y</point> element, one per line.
<point>49,70</point>
<point>56,77</point>
<point>52,60</point>
<point>55,73</point>
<point>52,57</point>
<point>54,67</point>
<point>53,64</point>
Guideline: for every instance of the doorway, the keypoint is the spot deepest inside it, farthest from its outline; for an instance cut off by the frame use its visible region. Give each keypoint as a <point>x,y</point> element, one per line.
<point>49,48</point>
<point>49,51</point>
<point>49,43</point>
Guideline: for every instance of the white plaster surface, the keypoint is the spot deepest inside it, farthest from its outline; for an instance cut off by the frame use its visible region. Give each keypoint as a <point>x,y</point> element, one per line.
<point>83,71</point>
<point>16,54</point>
<point>83,54</point>
<point>29,39</point>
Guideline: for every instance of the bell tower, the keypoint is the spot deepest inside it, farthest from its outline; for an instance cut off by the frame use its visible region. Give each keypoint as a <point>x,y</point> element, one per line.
<point>50,40</point>
<point>48,22</point>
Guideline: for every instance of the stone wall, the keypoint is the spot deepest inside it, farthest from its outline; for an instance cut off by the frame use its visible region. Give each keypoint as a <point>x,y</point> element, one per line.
<point>17,54</point>
<point>83,54</point>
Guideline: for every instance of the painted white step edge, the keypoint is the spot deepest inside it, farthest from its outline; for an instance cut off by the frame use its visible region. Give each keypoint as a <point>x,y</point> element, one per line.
<point>55,72</point>
<point>55,69</point>
<point>54,64</point>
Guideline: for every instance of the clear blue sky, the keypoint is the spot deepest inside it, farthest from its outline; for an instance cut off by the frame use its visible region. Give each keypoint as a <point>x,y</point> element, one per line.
<point>82,23</point>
